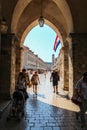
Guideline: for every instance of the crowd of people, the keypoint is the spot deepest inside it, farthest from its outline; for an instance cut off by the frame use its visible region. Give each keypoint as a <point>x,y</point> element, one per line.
<point>23,81</point>
<point>20,94</point>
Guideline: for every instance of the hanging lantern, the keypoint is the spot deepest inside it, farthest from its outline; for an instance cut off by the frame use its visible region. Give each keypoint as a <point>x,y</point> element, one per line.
<point>41,21</point>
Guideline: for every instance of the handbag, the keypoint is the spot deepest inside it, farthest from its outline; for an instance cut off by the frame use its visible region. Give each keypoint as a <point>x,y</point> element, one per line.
<point>30,84</point>
<point>77,98</point>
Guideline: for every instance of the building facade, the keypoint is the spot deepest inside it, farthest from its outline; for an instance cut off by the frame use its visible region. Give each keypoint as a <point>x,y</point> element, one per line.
<point>30,61</point>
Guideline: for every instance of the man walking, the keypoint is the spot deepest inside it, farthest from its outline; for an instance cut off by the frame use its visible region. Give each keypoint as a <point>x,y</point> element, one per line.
<point>55,79</point>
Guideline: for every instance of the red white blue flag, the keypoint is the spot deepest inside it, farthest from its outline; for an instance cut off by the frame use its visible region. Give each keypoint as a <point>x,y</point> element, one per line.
<point>56,43</point>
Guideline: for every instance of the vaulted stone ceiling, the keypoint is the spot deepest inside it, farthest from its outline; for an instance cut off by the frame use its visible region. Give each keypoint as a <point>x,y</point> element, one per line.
<point>79,14</point>
<point>64,16</point>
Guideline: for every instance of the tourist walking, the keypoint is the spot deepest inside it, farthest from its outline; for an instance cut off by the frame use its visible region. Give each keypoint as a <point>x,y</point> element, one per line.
<point>35,80</point>
<point>55,78</point>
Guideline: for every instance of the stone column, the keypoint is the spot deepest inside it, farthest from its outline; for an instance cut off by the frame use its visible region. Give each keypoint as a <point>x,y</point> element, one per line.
<point>79,51</point>
<point>66,66</point>
<point>13,64</point>
<point>61,67</point>
<point>5,65</point>
<point>70,58</point>
<point>0,44</point>
<point>18,61</point>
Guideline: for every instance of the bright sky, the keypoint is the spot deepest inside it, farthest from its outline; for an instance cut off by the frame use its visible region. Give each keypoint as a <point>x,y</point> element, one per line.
<point>41,41</point>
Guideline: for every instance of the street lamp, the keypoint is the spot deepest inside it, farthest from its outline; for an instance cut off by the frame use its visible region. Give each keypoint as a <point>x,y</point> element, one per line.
<point>41,19</point>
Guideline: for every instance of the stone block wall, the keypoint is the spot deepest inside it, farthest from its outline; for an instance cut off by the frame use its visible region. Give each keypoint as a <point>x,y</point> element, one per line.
<point>79,47</point>
<point>6,69</point>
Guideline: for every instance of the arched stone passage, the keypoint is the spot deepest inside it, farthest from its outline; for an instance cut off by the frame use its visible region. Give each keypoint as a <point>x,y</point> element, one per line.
<point>62,23</point>
<point>25,21</point>
<point>63,17</point>
<point>65,53</point>
<point>35,23</point>
<point>53,10</point>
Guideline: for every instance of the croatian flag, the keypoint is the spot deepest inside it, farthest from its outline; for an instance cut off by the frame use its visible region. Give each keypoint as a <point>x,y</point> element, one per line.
<point>56,43</point>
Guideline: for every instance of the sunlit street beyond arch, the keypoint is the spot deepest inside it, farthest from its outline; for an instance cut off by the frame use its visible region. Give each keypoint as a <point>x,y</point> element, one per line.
<point>41,42</point>
<point>46,95</point>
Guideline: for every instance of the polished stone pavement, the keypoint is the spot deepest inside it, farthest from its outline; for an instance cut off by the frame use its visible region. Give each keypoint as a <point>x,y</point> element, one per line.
<point>44,111</point>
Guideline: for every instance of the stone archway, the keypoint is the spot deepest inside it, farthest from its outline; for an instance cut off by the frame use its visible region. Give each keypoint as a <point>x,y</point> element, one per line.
<point>68,18</point>
<point>59,27</point>
<point>49,7</point>
<point>25,18</point>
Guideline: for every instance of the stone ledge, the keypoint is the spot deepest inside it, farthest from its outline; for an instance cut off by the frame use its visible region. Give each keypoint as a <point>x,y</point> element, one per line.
<point>3,106</point>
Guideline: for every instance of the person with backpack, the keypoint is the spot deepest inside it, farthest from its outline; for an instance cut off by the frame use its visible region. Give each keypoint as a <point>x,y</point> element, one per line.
<point>55,78</point>
<point>35,80</point>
